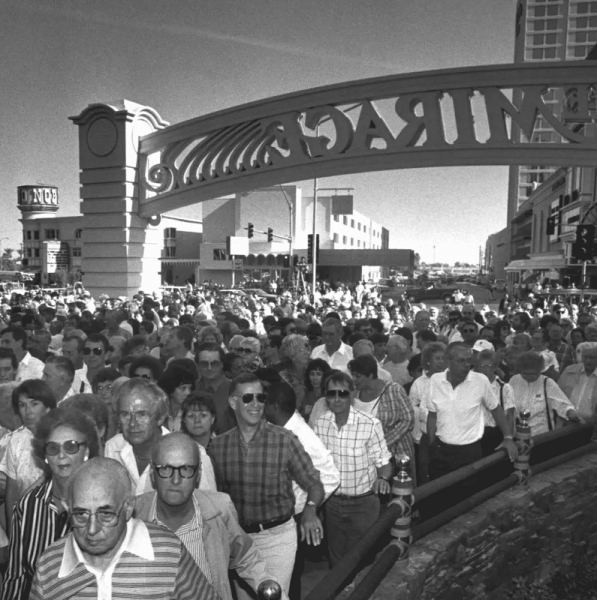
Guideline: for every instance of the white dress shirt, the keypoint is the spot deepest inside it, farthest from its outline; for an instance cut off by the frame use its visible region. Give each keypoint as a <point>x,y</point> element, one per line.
<point>459,410</point>
<point>321,457</point>
<point>338,360</point>
<point>503,391</point>
<point>29,368</point>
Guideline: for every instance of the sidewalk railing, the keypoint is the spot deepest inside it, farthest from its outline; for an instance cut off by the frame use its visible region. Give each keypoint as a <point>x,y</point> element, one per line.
<point>397,517</point>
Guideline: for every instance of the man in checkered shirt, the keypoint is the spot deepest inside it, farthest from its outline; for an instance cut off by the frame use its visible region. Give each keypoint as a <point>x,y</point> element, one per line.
<point>356,441</point>
<point>256,463</point>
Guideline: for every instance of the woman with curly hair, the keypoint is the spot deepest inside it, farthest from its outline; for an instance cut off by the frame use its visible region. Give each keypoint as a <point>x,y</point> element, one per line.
<point>64,440</point>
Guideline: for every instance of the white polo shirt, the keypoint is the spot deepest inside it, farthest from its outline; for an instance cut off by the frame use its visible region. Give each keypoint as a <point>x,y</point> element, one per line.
<point>460,418</point>
<point>338,360</point>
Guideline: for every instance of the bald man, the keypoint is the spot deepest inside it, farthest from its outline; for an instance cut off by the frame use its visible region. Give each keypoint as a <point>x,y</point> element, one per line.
<point>206,522</point>
<point>109,554</point>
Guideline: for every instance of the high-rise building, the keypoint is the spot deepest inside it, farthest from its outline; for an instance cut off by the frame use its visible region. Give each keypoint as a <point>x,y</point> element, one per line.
<point>547,30</point>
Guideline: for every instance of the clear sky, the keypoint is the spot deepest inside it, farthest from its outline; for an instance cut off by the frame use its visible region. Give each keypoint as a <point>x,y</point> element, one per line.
<point>187,58</point>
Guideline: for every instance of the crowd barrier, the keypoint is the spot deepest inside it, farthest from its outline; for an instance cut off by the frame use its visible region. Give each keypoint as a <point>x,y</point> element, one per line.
<point>396,520</point>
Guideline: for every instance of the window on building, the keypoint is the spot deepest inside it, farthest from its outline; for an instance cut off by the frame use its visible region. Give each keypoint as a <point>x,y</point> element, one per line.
<point>352,223</point>
<point>36,235</point>
<point>52,234</point>
<point>169,232</point>
<point>36,252</point>
<point>336,238</point>
<point>76,251</point>
<point>358,243</point>
<point>365,228</point>
<point>171,252</point>
<point>359,226</point>
<point>345,220</point>
<point>28,235</point>
<point>337,218</point>
<point>29,252</point>
<point>219,254</point>
<point>78,234</point>
<point>344,240</point>
<point>352,241</point>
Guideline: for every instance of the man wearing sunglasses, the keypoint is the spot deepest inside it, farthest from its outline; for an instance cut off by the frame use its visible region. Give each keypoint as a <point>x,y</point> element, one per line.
<point>204,521</point>
<point>95,354</point>
<point>256,464</point>
<point>109,554</point>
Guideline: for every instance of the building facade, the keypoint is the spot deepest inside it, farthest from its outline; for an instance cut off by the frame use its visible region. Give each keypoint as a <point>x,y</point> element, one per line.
<point>53,246</point>
<point>289,214</point>
<point>547,30</point>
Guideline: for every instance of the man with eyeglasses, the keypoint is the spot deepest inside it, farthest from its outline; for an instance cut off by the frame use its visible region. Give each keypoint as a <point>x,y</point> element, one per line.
<point>255,464</point>
<point>142,408</point>
<point>95,354</point>
<point>109,554</point>
<point>455,423</point>
<point>358,447</point>
<point>205,522</point>
<point>213,381</point>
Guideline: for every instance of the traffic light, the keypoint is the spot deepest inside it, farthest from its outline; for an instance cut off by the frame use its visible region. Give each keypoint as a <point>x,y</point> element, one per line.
<point>295,260</point>
<point>551,226</point>
<point>310,248</point>
<point>270,234</point>
<point>250,230</point>
<point>585,240</point>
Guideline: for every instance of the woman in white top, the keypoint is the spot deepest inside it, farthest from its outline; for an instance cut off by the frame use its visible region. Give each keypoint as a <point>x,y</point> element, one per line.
<point>539,395</point>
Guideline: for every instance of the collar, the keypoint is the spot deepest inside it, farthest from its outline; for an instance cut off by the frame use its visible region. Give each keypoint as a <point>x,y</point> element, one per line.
<point>214,385</point>
<point>294,422</point>
<point>195,523</point>
<point>25,359</point>
<point>136,541</point>
<point>341,349</point>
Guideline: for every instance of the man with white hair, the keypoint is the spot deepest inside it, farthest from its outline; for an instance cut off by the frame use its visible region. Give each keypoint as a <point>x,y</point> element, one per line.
<point>396,362</point>
<point>333,350</point>
<point>579,381</point>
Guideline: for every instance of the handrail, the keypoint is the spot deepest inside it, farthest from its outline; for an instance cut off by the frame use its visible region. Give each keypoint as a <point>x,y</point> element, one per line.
<point>332,582</point>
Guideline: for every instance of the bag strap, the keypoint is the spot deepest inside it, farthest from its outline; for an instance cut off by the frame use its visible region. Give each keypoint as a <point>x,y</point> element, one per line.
<point>549,423</point>
<point>501,384</point>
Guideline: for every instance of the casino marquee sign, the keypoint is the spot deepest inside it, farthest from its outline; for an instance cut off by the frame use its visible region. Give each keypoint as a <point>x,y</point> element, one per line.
<point>496,115</point>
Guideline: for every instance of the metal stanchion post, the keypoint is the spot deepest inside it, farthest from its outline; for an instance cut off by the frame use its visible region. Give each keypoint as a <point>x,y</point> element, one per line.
<point>269,590</point>
<point>524,443</point>
<point>402,490</point>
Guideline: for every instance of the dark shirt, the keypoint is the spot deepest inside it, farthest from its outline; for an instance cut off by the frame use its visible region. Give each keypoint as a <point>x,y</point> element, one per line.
<point>35,525</point>
<point>258,476</point>
<point>220,390</point>
<point>564,353</point>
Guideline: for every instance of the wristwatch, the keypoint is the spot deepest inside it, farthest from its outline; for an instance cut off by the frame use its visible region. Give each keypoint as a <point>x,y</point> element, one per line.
<point>312,503</point>
<point>508,437</point>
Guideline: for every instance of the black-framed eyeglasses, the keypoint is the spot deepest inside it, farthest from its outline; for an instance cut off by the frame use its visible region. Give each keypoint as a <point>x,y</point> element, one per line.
<point>248,398</point>
<point>106,518</point>
<point>210,364</point>
<point>70,447</point>
<point>184,471</point>
<point>244,350</point>
<point>96,351</point>
<point>339,393</point>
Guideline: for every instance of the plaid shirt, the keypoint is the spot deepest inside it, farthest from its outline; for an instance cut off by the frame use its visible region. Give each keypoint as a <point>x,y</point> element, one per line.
<point>258,476</point>
<point>358,448</point>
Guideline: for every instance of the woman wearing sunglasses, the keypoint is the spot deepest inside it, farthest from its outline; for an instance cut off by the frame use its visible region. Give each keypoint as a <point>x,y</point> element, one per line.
<point>64,440</point>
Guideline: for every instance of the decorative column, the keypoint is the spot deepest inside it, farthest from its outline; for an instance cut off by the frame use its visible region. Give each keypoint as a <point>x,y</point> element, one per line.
<point>402,490</point>
<point>524,443</point>
<point>121,250</point>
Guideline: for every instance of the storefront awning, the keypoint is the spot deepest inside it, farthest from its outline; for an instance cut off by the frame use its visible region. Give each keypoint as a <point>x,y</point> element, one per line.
<point>537,263</point>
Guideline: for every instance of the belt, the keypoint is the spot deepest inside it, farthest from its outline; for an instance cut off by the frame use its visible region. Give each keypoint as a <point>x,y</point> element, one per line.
<point>257,527</point>
<point>345,497</point>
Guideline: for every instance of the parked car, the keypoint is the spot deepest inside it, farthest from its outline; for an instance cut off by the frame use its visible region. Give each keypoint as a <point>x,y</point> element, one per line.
<point>432,291</point>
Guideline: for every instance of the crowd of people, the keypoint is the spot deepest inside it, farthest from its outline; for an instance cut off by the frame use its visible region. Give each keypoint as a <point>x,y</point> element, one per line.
<point>161,442</point>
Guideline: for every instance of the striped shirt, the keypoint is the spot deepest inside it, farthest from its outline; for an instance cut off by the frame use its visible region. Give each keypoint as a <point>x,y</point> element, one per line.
<point>358,449</point>
<point>191,535</point>
<point>154,565</point>
<point>36,523</point>
<point>258,475</point>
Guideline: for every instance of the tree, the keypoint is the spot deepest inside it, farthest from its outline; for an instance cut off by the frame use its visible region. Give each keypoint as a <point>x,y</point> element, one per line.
<point>7,262</point>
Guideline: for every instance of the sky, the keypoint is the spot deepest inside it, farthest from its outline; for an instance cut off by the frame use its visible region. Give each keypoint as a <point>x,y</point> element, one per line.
<point>188,58</point>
